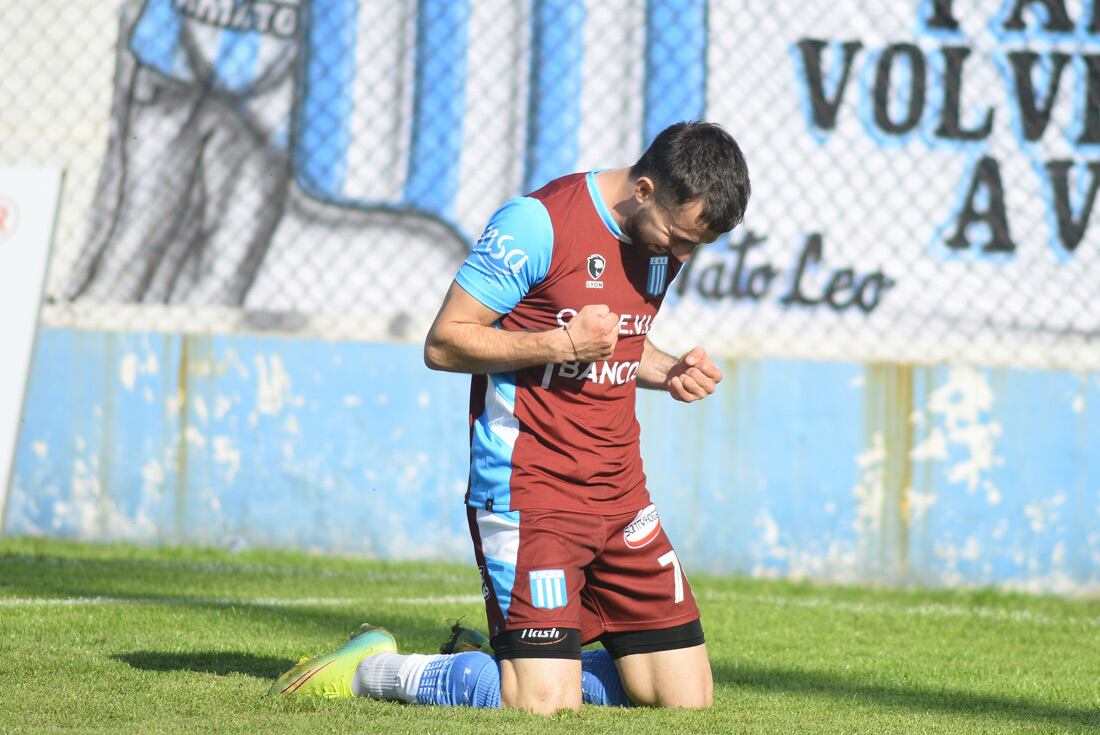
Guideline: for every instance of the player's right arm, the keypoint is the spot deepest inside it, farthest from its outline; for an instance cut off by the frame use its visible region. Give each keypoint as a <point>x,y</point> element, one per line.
<point>511,257</point>
<point>462,338</point>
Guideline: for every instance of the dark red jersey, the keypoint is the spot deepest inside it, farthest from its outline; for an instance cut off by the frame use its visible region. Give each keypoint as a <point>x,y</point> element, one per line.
<point>563,435</point>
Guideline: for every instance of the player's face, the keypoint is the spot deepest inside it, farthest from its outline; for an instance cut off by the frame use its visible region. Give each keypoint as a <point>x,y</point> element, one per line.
<point>661,232</point>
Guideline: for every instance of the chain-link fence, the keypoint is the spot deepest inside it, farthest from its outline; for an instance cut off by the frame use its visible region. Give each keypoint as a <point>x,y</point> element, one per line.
<point>924,172</point>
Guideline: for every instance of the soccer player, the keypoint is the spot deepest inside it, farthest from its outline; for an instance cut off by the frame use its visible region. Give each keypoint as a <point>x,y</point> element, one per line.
<point>550,313</point>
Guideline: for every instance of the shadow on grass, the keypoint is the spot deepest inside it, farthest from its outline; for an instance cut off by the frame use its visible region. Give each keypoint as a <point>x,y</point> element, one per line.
<point>422,627</point>
<point>796,681</point>
<point>207,662</point>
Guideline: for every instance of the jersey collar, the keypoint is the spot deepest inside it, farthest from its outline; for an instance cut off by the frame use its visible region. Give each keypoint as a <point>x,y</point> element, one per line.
<point>601,207</point>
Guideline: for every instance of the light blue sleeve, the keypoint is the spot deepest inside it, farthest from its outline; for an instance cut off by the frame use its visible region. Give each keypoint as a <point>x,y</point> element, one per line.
<point>511,257</point>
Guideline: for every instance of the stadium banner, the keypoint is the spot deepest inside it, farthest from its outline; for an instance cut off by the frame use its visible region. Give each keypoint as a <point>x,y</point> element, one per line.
<point>925,173</point>
<point>28,205</point>
<point>923,231</point>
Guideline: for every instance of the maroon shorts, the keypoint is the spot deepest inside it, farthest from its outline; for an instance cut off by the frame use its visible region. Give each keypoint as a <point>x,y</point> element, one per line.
<point>594,573</point>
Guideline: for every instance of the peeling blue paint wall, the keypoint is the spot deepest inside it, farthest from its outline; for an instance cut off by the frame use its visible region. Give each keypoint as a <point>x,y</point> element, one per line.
<point>836,472</point>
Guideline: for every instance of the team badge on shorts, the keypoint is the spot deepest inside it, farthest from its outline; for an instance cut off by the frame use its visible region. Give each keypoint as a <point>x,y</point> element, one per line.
<point>658,275</point>
<point>548,588</point>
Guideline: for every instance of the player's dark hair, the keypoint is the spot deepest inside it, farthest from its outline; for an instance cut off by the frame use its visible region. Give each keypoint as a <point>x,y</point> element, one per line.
<point>689,161</point>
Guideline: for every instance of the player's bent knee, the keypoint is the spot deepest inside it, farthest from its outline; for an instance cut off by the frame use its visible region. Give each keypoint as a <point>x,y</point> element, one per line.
<point>539,698</point>
<point>686,700</point>
<point>540,701</point>
<point>696,697</point>
<point>540,685</point>
<point>665,668</point>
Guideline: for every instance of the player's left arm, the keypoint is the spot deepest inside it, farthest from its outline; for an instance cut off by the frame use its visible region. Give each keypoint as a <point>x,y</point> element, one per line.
<point>690,378</point>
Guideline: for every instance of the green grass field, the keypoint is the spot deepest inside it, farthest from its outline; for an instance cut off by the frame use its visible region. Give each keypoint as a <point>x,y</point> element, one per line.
<point>184,640</point>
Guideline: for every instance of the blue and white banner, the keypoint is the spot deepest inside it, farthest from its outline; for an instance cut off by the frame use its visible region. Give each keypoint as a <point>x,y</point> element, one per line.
<point>451,106</point>
<point>229,46</point>
<point>925,173</point>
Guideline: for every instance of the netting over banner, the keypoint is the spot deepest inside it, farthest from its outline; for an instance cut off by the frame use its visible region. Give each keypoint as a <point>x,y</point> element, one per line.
<point>924,172</point>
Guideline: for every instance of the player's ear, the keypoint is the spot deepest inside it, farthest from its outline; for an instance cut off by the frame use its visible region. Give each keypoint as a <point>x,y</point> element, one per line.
<point>643,189</point>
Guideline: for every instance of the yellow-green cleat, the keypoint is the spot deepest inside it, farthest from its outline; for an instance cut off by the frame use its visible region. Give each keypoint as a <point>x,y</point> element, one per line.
<point>330,675</point>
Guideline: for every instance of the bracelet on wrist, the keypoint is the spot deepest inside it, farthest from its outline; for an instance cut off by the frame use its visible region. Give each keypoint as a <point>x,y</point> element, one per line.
<point>571,342</point>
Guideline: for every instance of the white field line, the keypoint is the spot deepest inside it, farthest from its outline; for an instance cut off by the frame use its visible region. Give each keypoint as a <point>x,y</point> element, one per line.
<point>931,609</point>
<point>364,575</point>
<point>227,602</point>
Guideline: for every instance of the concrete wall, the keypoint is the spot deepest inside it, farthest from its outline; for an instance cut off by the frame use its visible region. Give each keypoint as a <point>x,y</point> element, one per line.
<point>835,472</point>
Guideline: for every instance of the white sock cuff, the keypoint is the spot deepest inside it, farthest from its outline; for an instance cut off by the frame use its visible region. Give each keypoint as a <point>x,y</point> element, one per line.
<point>413,671</point>
<point>379,677</point>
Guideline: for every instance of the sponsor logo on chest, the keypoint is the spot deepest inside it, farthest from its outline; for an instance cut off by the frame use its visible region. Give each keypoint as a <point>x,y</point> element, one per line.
<point>629,324</point>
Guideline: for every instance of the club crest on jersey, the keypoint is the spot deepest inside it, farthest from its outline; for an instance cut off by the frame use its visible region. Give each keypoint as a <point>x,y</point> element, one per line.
<point>657,280</point>
<point>596,265</point>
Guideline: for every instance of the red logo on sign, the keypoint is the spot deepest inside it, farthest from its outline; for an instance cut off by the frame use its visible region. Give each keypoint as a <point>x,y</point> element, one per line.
<point>9,217</point>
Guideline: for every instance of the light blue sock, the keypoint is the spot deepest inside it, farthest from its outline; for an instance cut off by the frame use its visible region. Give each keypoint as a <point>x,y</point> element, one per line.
<point>468,679</point>
<point>472,679</point>
<point>600,681</point>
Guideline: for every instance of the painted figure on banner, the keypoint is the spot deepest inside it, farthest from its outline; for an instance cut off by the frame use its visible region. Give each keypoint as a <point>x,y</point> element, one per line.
<point>326,154</point>
<point>218,186</point>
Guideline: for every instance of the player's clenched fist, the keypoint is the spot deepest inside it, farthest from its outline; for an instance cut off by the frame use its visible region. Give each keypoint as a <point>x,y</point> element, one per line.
<point>693,377</point>
<point>595,332</point>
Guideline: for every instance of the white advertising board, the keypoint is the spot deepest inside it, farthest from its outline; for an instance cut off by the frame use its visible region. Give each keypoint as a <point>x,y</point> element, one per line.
<point>28,205</point>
